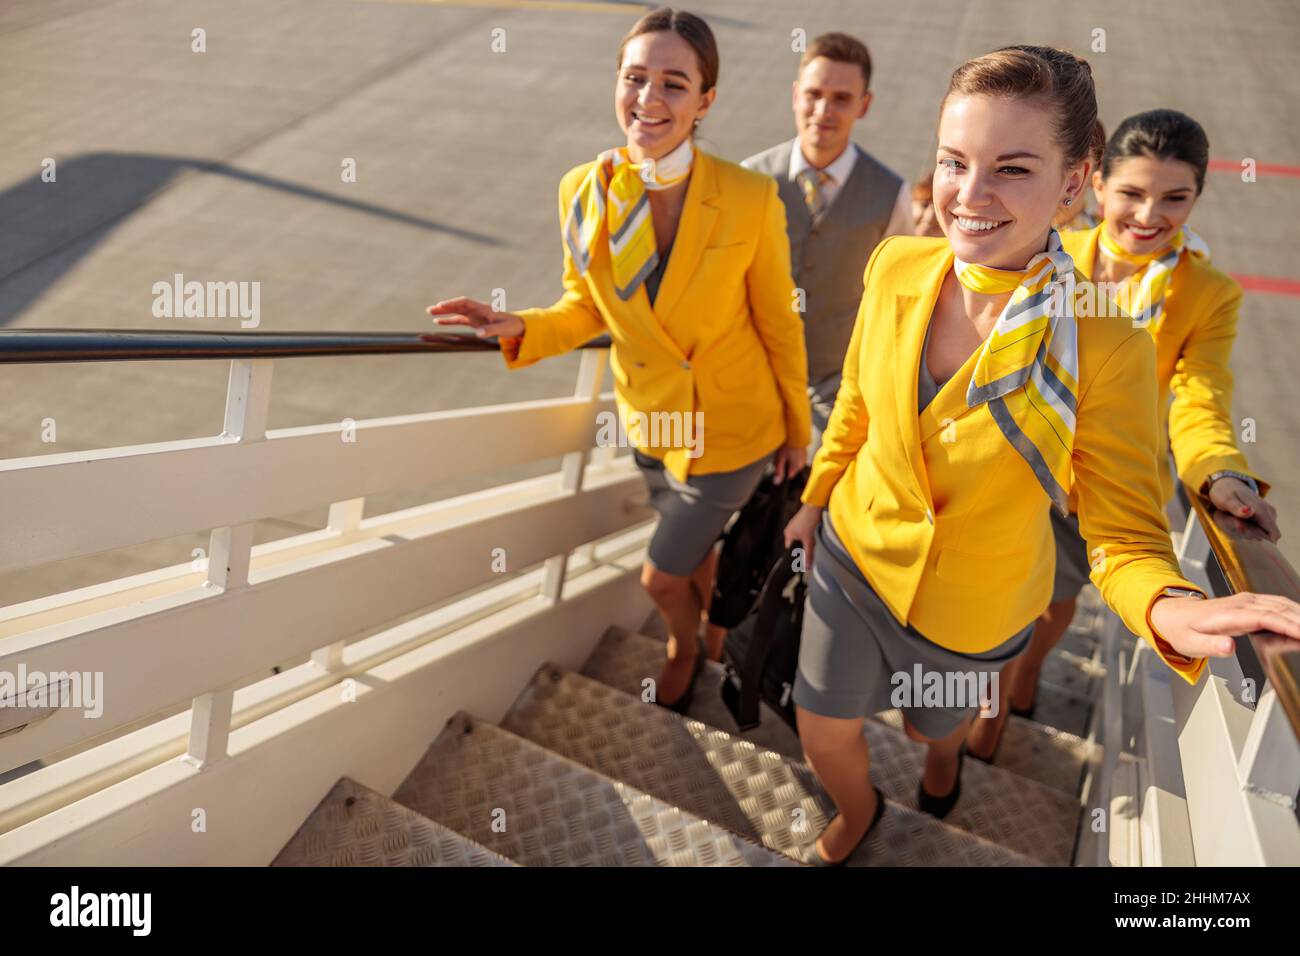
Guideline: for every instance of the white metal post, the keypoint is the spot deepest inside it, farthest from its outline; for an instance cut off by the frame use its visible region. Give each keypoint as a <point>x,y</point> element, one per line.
<point>591,375</point>
<point>248,401</point>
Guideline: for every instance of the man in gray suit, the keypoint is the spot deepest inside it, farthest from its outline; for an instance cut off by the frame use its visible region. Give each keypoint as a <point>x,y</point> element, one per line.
<point>840,201</point>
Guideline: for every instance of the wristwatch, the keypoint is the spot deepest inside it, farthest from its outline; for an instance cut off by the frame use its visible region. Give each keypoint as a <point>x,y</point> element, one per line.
<point>1182,592</point>
<point>1248,481</point>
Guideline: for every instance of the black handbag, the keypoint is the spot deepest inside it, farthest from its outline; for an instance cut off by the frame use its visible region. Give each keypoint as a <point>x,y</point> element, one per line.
<point>761,654</point>
<point>751,546</point>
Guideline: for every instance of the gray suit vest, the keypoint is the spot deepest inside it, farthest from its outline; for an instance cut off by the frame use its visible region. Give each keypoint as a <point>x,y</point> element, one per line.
<point>827,258</point>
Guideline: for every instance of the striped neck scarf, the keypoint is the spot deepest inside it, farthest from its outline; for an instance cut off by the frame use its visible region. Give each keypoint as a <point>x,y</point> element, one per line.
<point>625,218</point>
<point>1028,368</point>
<point>1142,295</point>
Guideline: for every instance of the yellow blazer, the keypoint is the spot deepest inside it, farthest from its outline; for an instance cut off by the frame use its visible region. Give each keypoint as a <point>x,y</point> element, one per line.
<point>1193,337</point>
<point>939,511</point>
<point>723,338</point>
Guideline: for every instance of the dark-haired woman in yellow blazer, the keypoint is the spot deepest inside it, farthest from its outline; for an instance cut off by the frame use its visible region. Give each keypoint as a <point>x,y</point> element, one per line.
<point>683,259</point>
<point>971,399</point>
<point>1151,174</point>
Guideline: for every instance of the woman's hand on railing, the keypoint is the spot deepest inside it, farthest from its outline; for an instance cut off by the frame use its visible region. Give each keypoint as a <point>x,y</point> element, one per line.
<point>790,460</point>
<point>802,528</point>
<point>481,317</point>
<point>1208,628</point>
<point>1235,497</point>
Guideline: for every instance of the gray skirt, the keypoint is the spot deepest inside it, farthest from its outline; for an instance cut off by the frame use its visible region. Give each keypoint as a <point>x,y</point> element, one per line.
<point>856,660</point>
<point>693,514</point>
<point>1072,570</point>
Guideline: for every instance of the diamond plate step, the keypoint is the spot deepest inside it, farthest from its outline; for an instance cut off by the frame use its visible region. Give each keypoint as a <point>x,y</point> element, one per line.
<point>1030,750</point>
<point>624,658</point>
<point>355,826</point>
<point>752,791</point>
<point>540,809</point>
<point>1014,811</point>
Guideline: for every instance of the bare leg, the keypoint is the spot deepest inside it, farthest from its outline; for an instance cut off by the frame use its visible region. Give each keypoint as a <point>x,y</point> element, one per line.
<point>1018,682</point>
<point>1049,630</point>
<point>941,759</point>
<point>679,605</point>
<point>986,731</point>
<point>837,751</point>
<point>702,580</point>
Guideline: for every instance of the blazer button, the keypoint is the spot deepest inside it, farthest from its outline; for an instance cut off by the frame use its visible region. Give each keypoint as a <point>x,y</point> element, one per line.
<point>686,365</point>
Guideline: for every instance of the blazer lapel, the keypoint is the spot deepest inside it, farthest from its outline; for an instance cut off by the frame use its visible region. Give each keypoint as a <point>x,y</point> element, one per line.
<point>913,313</point>
<point>699,213</point>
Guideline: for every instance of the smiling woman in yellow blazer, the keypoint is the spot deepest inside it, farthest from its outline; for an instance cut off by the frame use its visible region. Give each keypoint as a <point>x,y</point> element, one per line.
<point>1151,174</point>
<point>683,259</point>
<point>971,398</point>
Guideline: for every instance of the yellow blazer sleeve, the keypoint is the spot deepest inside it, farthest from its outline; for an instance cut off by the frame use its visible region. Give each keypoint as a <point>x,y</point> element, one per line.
<point>846,430</point>
<point>1201,432</point>
<point>780,327</point>
<point>572,320</point>
<point>1117,435</point>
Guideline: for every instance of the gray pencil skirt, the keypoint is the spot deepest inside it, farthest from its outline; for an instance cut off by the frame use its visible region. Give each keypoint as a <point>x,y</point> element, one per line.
<point>693,513</point>
<point>856,660</point>
<point>1072,570</point>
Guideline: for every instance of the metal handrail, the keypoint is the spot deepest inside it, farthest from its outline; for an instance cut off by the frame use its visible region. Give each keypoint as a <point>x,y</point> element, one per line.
<point>21,346</point>
<point>1248,561</point>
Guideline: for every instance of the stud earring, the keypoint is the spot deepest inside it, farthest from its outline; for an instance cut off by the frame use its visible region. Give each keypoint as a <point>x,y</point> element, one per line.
<point>1068,200</point>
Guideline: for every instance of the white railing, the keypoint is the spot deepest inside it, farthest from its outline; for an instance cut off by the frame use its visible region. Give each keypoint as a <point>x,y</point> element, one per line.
<point>1203,775</point>
<point>387,625</point>
<point>192,648</point>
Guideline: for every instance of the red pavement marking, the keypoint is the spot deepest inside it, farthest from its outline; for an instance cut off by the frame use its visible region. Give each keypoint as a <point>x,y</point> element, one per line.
<point>1261,169</point>
<point>1268,284</point>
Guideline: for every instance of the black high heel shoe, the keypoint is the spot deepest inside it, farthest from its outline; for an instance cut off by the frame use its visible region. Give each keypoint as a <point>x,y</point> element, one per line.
<point>683,703</point>
<point>940,806</point>
<point>814,858</point>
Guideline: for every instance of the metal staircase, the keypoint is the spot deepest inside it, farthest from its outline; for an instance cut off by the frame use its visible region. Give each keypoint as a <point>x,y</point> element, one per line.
<point>584,771</point>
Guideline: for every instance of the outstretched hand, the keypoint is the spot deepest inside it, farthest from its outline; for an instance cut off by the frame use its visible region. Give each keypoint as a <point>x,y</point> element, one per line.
<point>481,317</point>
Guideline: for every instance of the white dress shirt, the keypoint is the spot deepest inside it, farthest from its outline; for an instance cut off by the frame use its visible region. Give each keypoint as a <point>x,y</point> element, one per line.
<point>900,220</point>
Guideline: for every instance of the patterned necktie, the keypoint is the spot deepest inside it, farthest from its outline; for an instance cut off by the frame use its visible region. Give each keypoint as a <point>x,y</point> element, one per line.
<point>813,181</point>
<point>1028,367</point>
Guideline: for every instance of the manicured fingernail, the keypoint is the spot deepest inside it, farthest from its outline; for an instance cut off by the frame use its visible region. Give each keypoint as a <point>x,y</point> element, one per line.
<point>1226,647</point>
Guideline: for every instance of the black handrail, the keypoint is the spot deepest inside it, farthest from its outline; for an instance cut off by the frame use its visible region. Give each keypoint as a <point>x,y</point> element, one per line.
<point>1248,561</point>
<point>20,346</point>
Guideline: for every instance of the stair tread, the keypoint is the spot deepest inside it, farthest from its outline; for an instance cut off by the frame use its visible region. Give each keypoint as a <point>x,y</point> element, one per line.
<point>556,812</point>
<point>1011,809</point>
<point>357,826</point>
<point>1030,749</point>
<point>748,789</point>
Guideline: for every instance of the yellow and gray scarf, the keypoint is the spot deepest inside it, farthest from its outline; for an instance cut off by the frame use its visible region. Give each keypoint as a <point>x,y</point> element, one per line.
<point>1028,369</point>
<point>1143,295</point>
<point>612,199</point>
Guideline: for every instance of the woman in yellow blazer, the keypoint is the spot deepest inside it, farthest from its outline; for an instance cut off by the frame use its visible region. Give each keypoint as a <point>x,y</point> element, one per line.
<point>683,259</point>
<point>927,504</point>
<point>1158,272</point>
